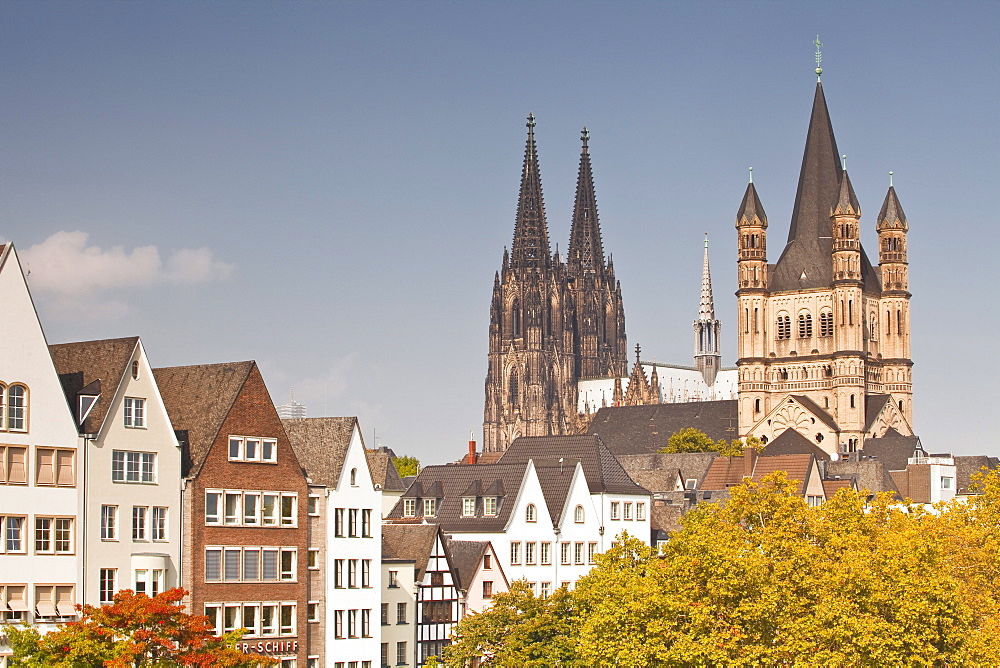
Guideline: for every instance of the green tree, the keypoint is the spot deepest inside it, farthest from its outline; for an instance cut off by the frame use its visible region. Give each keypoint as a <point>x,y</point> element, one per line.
<point>690,439</point>
<point>407,465</point>
<point>132,631</point>
<point>518,629</point>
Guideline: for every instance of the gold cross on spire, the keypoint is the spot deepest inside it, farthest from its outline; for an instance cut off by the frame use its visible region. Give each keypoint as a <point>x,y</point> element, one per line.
<point>819,57</point>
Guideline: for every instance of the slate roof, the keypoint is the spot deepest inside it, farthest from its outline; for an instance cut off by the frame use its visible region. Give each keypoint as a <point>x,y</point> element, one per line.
<point>449,483</point>
<point>466,556</point>
<point>874,403</point>
<point>868,474</point>
<point>658,472</point>
<point>810,245</point>
<point>816,410</point>
<point>891,215</point>
<point>409,542</point>
<point>966,466</point>
<point>751,206</point>
<point>321,445</point>
<point>666,517</point>
<point>384,471</point>
<point>96,366</point>
<point>791,442</point>
<point>198,399</point>
<point>893,451</point>
<point>628,430</point>
<point>603,472</point>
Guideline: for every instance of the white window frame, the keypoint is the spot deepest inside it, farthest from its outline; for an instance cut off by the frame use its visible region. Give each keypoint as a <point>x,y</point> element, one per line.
<point>409,507</point>
<point>490,506</point>
<point>134,411</point>
<point>109,522</point>
<point>615,510</point>
<point>545,553</point>
<point>133,467</point>
<point>515,553</point>
<point>158,524</point>
<point>469,506</point>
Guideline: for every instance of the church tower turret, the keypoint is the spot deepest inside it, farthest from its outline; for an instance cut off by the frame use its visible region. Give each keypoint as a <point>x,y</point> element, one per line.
<point>895,302</point>
<point>707,330</point>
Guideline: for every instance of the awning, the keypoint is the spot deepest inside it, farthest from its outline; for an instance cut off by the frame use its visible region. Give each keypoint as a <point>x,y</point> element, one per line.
<point>46,609</point>
<point>66,609</point>
<point>18,605</point>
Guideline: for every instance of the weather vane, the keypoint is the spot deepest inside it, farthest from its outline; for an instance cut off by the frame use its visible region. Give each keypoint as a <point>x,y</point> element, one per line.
<point>819,57</point>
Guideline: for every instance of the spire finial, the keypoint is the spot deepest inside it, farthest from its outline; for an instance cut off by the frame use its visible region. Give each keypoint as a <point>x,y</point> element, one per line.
<point>751,174</point>
<point>531,134</point>
<point>843,161</point>
<point>637,350</point>
<point>706,240</point>
<point>890,179</point>
<point>819,58</point>
<point>585,137</point>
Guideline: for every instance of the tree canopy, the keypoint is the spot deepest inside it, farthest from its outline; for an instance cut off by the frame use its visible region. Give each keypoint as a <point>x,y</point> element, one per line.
<point>690,439</point>
<point>407,465</point>
<point>765,579</point>
<point>133,630</point>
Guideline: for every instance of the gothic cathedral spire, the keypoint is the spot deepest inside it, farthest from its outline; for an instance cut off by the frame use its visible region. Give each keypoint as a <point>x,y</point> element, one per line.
<point>531,234</point>
<point>707,330</point>
<point>586,251</point>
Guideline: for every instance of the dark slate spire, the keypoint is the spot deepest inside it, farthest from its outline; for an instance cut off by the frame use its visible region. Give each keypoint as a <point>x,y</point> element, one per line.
<point>818,178</point>
<point>531,234</point>
<point>846,201</point>
<point>891,216</point>
<point>751,207</point>
<point>586,251</point>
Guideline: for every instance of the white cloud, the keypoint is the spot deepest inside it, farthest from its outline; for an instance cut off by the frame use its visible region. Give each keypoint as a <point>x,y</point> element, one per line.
<point>65,265</point>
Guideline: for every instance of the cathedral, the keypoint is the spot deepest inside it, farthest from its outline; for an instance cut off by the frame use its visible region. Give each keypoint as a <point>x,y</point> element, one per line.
<point>552,321</point>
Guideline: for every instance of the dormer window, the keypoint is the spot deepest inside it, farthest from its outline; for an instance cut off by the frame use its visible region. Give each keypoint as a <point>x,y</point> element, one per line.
<point>409,507</point>
<point>469,507</point>
<point>430,507</point>
<point>489,505</point>
<point>530,513</point>
<point>691,483</point>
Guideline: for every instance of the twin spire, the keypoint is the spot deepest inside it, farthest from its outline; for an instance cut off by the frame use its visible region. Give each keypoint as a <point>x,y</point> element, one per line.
<point>531,235</point>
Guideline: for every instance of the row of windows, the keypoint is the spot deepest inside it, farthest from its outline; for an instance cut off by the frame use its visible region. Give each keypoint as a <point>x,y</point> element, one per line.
<point>257,508</point>
<point>53,466</point>
<point>429,507</point>
<point>50,602</point>
<point>132,466</point>
<point>253,449</point>
<point>148,523</point>
<point>541,553</point>
<point>346,572</point>
<point>437,612</point>
<point>351,628</point>
<point>805,325</point>
<point>146,581</point>
<point>264,619</point>
<point>52,535</point>
<point>349,528</point>
<point>250,564</point>
<point>13,407</point>
<point>400,614</point>
<point>623,511</point>
<point>469,504</point>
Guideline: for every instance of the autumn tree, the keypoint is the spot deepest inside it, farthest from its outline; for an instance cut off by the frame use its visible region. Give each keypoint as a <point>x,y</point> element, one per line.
<point>134,630</point>
<point>690,439</point>
<point>518,629</point>
<point>407,465</point>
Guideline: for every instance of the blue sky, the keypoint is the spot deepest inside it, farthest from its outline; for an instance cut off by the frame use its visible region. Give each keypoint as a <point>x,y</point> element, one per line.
<point>327,187</point>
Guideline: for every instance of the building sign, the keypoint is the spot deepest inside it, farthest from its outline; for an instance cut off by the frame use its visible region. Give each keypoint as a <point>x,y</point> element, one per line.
<point>270,647</point>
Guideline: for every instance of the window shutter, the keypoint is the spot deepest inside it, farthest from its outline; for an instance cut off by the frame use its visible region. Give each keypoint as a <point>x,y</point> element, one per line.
<point>64,467</point>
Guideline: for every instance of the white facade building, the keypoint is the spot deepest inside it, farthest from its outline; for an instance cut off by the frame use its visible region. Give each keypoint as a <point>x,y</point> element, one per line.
<point>40,527</point>
<point>677,384</point>
<point>131,468</point>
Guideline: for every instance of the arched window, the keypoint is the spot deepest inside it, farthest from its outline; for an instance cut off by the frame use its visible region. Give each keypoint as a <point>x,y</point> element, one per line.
<point>135,369</point>
<point>805,325</point>
<point>900,404</point>
<point>852,401</point>
<point>515,394</point>
<point>756,405</point>
<point>784,326</point>
<point>826,323</point>
<point>578,515</point>
<point>354,477</point>
<point>530,513</point>
<point>17,408</point>
<point>515,319</point>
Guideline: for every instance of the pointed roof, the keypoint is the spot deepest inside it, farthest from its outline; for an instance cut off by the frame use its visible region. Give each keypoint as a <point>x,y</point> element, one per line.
<point>198,399</point>
<point>706,308</point>
<point>383,471</point>
<point>466,558</point>
<point>531,234</point>
<point>891,216</point>
<point>89,367</point>
<point>846,201</point>
<point>586,250</point>
<point>751,208</point>
<point>321,445</point>
<point>409,542</point>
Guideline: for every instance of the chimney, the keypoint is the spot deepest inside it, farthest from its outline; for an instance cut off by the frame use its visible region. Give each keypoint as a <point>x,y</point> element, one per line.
<point>472,448</point>
<point>749,460</point>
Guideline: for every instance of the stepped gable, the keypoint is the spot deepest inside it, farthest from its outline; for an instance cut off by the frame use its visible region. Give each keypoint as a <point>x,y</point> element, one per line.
<point>450,482</point>
<point>600,467</point>
<point>384,472</point>
<point>321,445</point>
<point>198,399</point>
<point>409,542</point>
<point>791,442</point>
<point>93,367</point>
<point>658,472</point>
<point>465,557</point>
<point>628,430</point>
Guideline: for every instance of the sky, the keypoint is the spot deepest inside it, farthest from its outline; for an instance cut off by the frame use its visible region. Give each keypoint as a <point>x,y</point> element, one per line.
<point>327,187</point>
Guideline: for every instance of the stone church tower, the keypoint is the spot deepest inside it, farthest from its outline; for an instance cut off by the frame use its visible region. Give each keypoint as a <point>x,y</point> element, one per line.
<point>707,330</point>
<point>824,337</point>
<point>551,322</point>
